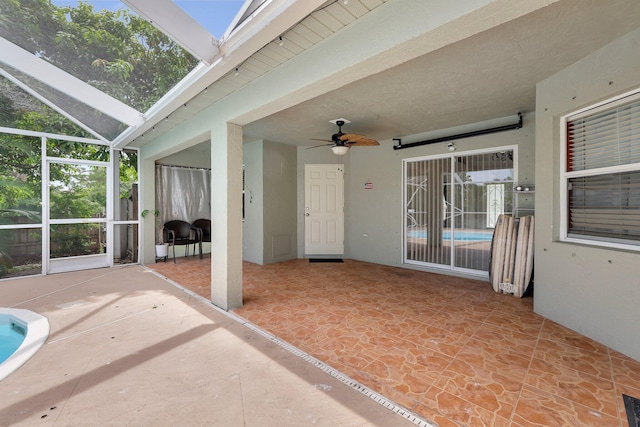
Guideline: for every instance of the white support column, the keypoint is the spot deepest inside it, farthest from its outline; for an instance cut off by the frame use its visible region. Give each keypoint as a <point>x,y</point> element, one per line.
<point>147,200</point>
<point>226,215</point>
<point>114,237</point>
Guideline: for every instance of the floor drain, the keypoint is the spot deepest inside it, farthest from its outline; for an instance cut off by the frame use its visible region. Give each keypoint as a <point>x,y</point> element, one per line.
<point>632,406</point>
<point>337,374</point>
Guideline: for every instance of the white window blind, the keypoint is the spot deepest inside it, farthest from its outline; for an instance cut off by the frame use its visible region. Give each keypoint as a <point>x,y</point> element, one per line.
<point>605,138</point>
<point>603,174</point>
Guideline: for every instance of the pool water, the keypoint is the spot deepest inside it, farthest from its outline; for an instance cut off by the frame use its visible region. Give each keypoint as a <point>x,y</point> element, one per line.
<point>11,336</point>
<point>468,236</point>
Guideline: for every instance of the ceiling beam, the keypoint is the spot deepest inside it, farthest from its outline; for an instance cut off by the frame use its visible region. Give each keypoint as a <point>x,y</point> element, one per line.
<point>172,20</point>
<point>43,71</point>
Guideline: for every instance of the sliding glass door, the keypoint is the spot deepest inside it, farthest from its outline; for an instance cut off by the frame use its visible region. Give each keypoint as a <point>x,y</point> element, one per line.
<point>451,205</point>
<point>427,200</point>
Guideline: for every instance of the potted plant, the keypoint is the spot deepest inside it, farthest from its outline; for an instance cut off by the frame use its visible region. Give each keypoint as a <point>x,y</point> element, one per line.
<point>162,248</point>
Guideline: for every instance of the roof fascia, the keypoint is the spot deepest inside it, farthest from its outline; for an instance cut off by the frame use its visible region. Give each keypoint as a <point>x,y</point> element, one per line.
<point>41,70</point>
<point>173,21</point>
<point>243,10</point>
<point>259,25</point>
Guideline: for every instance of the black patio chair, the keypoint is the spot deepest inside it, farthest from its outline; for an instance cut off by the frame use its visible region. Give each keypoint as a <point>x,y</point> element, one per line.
<point>204,225</point>
<point>182,233</point>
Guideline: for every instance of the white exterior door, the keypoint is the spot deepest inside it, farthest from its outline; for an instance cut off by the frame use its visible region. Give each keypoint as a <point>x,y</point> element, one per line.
<point>323,210</point>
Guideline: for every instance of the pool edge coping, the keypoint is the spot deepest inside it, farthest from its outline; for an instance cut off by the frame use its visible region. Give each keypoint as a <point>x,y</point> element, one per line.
<point>37,327</point>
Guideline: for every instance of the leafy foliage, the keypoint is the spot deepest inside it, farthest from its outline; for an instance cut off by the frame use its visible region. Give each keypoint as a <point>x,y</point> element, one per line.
<point>114,51</point>
<point>20,177</point>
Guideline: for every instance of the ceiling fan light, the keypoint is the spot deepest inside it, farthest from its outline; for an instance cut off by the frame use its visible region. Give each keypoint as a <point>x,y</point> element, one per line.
<point>339,150</point>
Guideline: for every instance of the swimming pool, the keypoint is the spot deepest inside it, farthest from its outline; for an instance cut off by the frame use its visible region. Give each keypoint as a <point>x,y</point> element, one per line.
<point>11,336</point>
<point>22,333</point>
<point>467,236</point>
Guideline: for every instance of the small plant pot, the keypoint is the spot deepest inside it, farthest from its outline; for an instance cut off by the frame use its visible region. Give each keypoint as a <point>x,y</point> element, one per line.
<point>162,251</point>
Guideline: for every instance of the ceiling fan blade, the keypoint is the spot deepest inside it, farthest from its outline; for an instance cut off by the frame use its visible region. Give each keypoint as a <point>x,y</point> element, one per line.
<point>351,137</point>
<point>364,142</point>
<point>358,140</point>
<point>318,139</point>
<point>340,139</point>
<point>321,145</point>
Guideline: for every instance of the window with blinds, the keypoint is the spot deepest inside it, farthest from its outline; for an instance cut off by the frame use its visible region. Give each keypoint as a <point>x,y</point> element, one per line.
<point>602,175</point>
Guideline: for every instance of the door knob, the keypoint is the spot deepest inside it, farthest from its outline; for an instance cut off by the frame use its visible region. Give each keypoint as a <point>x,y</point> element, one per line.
<point>307,214</point>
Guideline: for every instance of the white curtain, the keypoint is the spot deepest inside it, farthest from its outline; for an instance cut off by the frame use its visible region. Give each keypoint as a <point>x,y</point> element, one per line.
<point>183,193</point>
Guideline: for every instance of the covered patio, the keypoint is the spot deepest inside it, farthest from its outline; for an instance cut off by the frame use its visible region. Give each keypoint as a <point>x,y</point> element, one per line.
<point>92,107</point>
<point>446,348</point>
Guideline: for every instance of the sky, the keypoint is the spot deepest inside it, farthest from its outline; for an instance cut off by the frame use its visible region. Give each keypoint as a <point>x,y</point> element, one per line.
<point>214,15</point>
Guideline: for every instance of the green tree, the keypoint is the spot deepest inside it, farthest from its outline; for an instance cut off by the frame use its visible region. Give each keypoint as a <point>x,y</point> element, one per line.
<point>20,178</point>
<point>115,51</point>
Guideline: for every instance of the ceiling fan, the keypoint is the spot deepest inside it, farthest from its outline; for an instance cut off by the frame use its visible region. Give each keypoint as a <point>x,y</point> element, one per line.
<point>340,142</point>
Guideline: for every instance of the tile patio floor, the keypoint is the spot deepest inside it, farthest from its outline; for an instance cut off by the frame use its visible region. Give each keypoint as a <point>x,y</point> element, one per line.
<point>449,349</point>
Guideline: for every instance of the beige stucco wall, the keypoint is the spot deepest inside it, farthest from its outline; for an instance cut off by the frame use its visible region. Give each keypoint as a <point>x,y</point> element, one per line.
<point>594,291</point>
<point>378,213</point>
<point>279,202</point>
<point>269,228</point>
<point>253,224</point>
<point>196,157</point>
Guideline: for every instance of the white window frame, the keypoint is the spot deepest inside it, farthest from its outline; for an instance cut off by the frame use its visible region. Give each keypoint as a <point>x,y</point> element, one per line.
<point>404,210</point>
<point>565,176</point>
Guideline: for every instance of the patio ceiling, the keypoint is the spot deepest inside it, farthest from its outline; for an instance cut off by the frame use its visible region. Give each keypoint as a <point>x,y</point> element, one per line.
<point>490,75</point>
<point>474,80</point>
